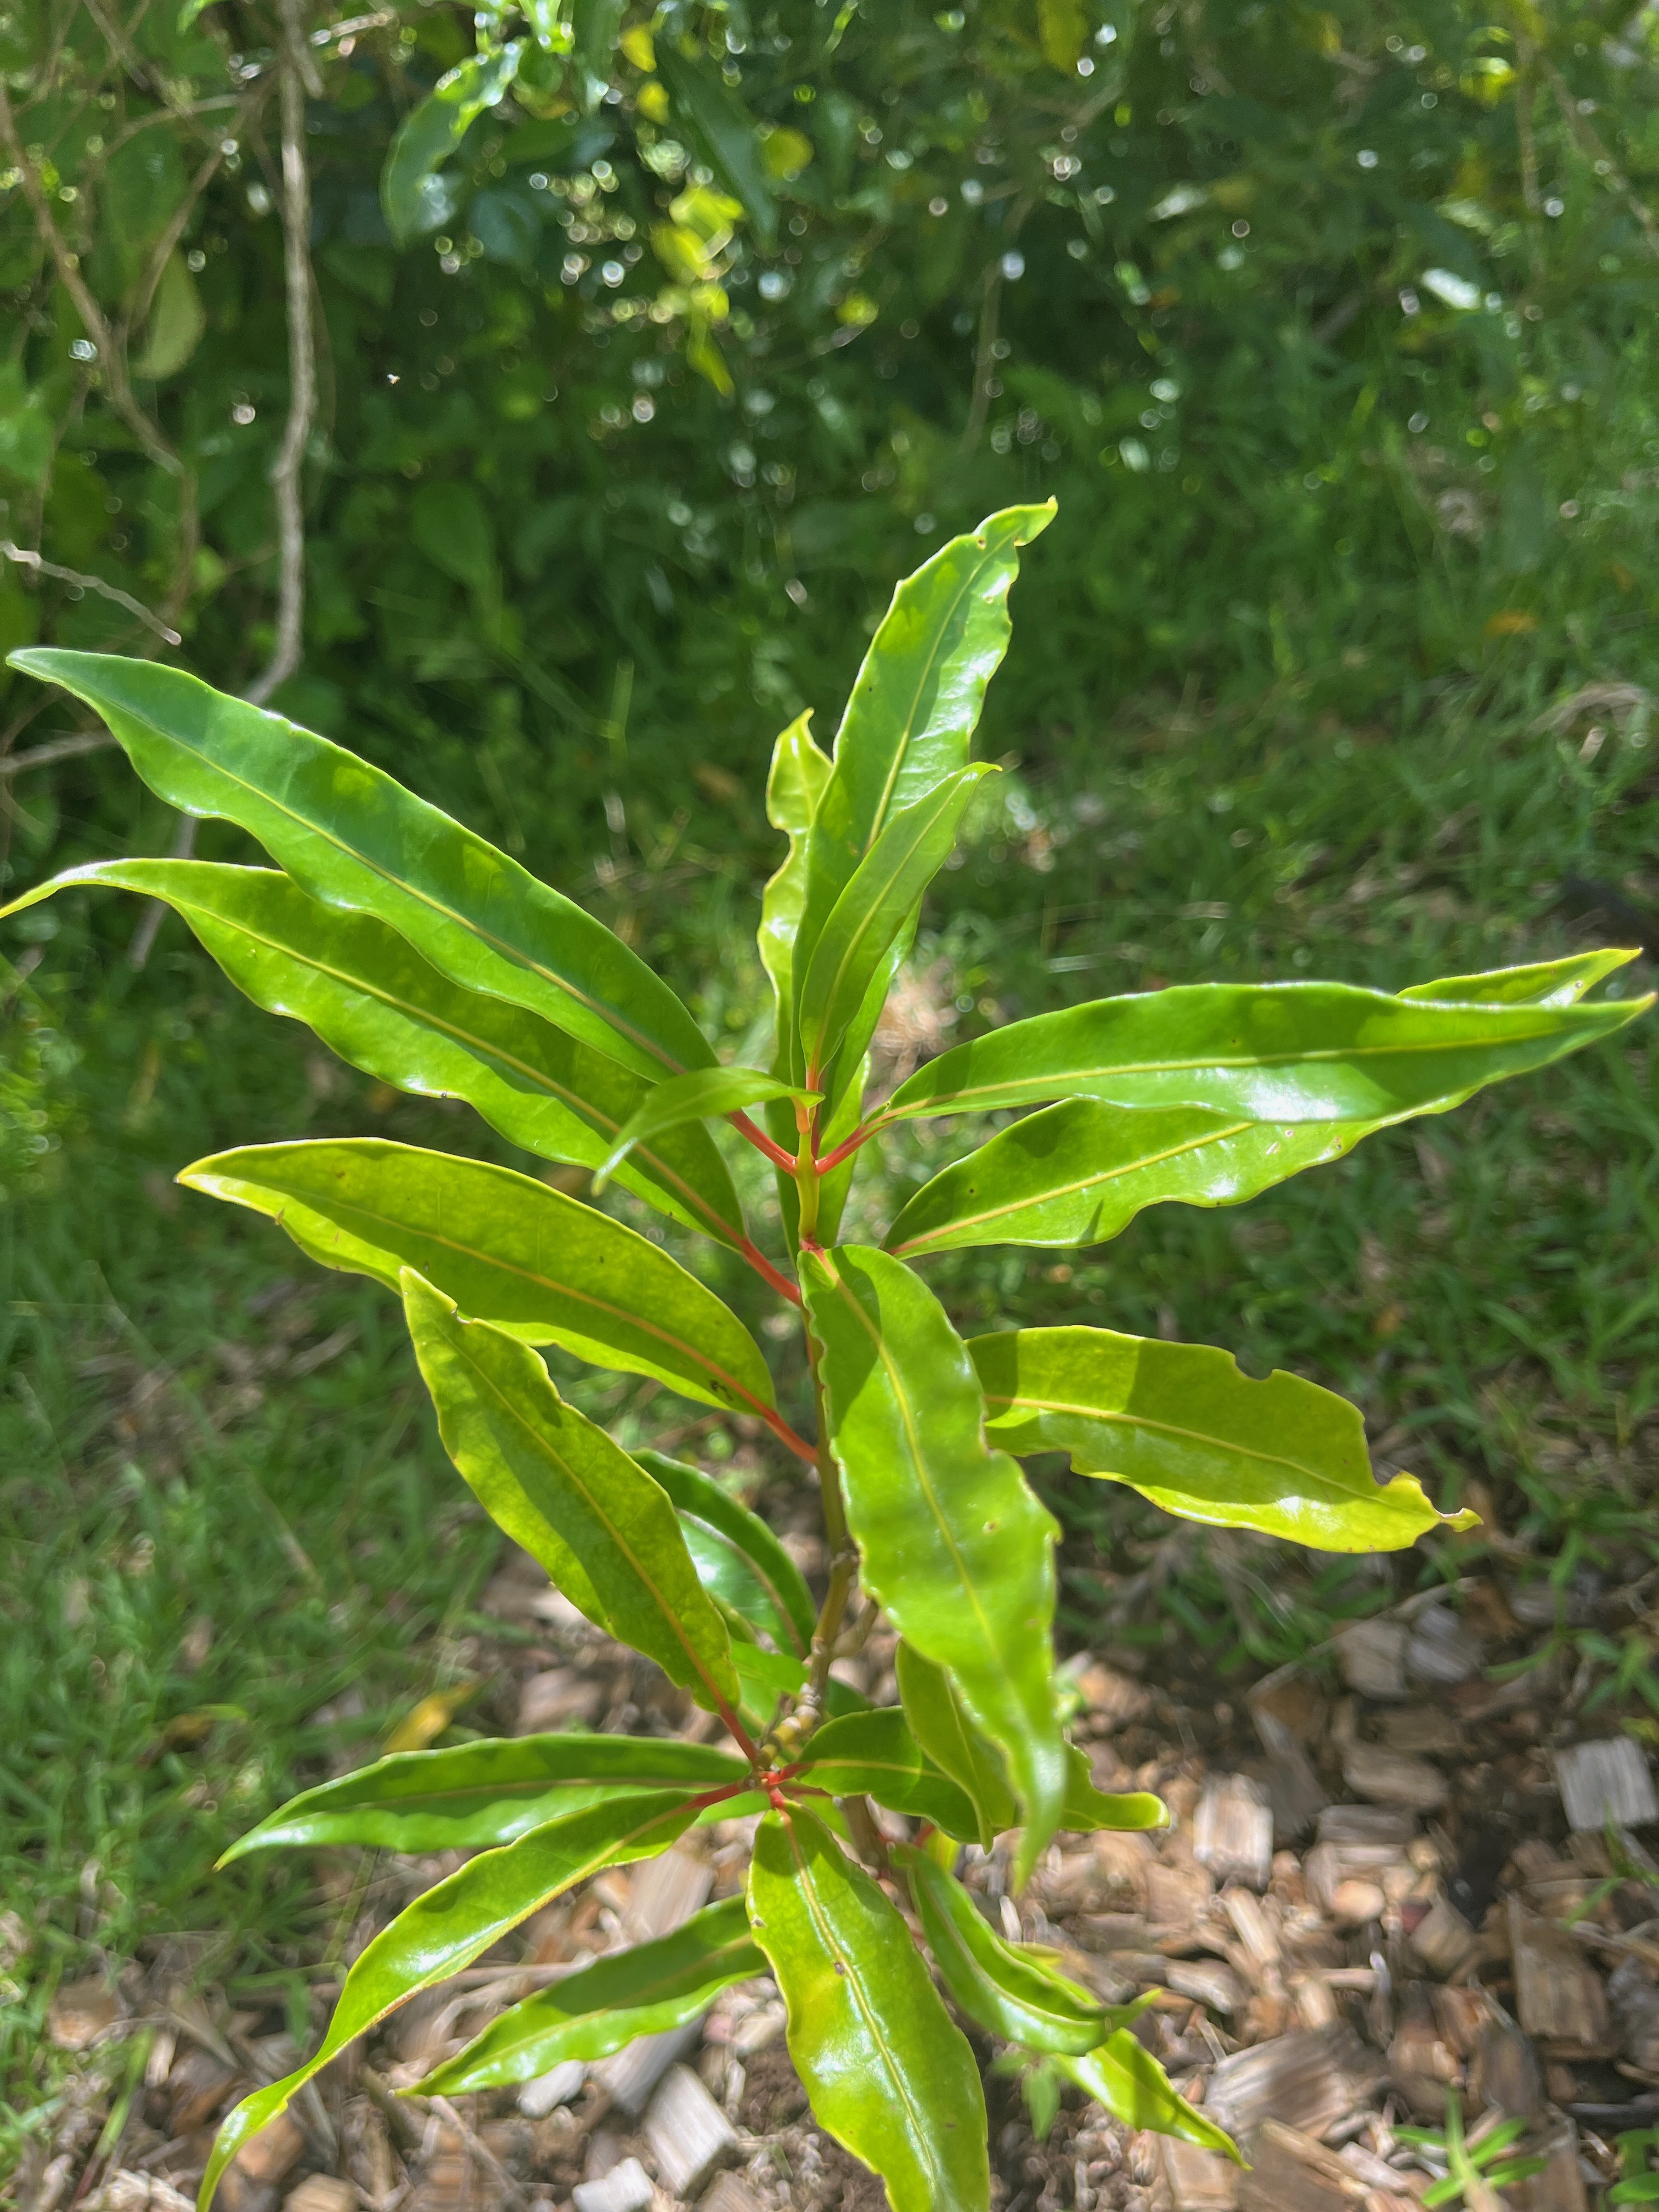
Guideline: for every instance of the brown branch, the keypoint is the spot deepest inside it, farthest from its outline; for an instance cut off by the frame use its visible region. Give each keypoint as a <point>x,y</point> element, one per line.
<point>56,748</point>
<point>25,559</point>
<point>168,240</point>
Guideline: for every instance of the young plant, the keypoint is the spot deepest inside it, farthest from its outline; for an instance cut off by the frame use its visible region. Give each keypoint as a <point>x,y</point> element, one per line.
<point>1475,2166</point>
<point>433,962</point>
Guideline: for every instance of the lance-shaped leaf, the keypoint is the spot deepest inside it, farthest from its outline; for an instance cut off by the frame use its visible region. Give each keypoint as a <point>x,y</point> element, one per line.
<point>1012,1992</point>
<point>915,701</point>
<point>352,836</point>
<point>372,998</point>
<point>866,920</point>
<point>934,1714</point>
<point>506,1249</point>
<point>953,1544</point>
<point>1180,1423</point>
<point>697,1096</point>
<point>476,1795</point>
<point>604,1530</point>
<point>726,137</point>
<point>1539,983</point>
<point>1128,2080</point>
<point>411,196</point>
<point>738,1554</point>
<point>452,1923</point>
<point>590,2014</point>
<point>873,1754</point>
<point>1079,1173</point>
<point>1268,1053</point>
<point>799,772</point>
<point>889,2074</point>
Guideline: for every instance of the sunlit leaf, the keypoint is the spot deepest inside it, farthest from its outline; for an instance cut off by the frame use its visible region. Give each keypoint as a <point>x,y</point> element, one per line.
<point>701,1094</point>
<point>1124,2078</point>
<point>430,133</point>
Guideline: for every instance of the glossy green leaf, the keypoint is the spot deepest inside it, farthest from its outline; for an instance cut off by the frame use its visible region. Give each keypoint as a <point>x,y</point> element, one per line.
<point>873,1754</point>
<point>699,1095</point>
<point>953,1545</point>
<point>935,1713</point>
<point>865,921</point>
<point>590,2014</point>
<point>475,1796</point>
<point>1079,1173</point>
<point>604,1530</point>
<point>1180,1423</point>
<point>915,701</point>
<point>1271,1052</point>
<point>739,1539</point>
<point>451,1924</point>
<point>372,998</point>
<point>769,1677</point>
<point>431,132</point>
<point>889,2074</point>
<point>507,1249</point>
<point>1007,1989</point>
<point>724,134</point>
<point>1128,2080</point>
<point>1540,983</point>
<point>793,787</point>
<point>354,837</point>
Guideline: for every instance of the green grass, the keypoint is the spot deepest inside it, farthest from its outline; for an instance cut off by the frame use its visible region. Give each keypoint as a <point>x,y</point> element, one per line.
<point>1481,1284</point>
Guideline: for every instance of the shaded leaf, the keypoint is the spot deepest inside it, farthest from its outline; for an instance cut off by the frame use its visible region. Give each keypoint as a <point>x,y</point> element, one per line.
<point>1128,2082</point>
<point>177,320</point>
<point>372,998</point>
<point>697,1096</point>
<point>1007,1989</point>
<point>354,837</point>
<point>477,1795</point>
<point>590,2014</point>
<point>453,1922</point>
<point>1180,1423</point>
<point>889,2074</point>
<point>507,1249</point>
<point>725,136</point>
<point>431,132</point>
<point>593,26</point>
<point>953,1545</point>
<point>874,1754</point>
<point>851,951</point>
<point>558,1485</point>
<point>704,1506</point>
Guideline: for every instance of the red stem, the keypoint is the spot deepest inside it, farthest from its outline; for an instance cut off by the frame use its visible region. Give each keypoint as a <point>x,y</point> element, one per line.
<point>785,1434</point>
<point>763,1267</point>
<point>860,1136</point>
<point>757,1136</point>
<point>745,1744</point>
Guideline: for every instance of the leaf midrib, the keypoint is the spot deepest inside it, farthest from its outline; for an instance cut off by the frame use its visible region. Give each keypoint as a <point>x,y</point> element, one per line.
<point>900,751</point>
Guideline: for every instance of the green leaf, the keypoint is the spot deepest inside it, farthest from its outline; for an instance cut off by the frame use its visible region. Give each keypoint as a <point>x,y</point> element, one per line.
<point>1270,1053</point>
<point>699,1095</point>
<point>1180,1423</point>
<point>353,837</point>
<point>873,1754</point>
<point>915,702</point>
<point>478,1795</point>
<point>726,137</point>
<point>452,1923</point>
<point>1541,983</point>
<point>732,1537</point>
<point>558,1485</point>
<point>770,1677</point>
<point>1063,32</point>
<point>507,1249</point>
<point>935,1714</point>
<point>1135,2088</point>
<point>794,788</point>
<point>1007,1989</point>
<point>593,27</point>
<point>953,1545</point>
<point>177,320</point>
<point>372,998</point>
<point>430,133</point>
<point>597,2009</point>
<point>879,898</point>
<point>890,2074</point>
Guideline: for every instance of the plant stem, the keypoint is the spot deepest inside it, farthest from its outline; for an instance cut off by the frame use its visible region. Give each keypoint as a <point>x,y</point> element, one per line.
<point>757,1137</point>
<point>763,1267</point>
<point>862,1135</point>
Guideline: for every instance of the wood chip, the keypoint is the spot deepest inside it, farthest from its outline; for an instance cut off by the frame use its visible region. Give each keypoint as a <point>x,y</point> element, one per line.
<point>626,2188</point>
<point>1422,2064</point>
<point>321,2192</point>
<point>1558,1998</point>
<point>731,2195</point>
<point>1372,1656</point>
<point>548,2091</point>
<point>273,2153</point>
<point>1290,2172</point>
<point>1176,1894</point>
<point>1443,1939</point>
<point>1635,2003</point>
<point>1422,1729</point>
<point>629,2077</point>
<point>1355,1902</point>
<point>1115,1697</point>
<point>687,2133</point>
<point>1198,2180</point>
<point>1505,2073</point>
<point>80,2013</point>
<point>1560,2186</point>
<point>1257,1935</point>
<point>1207,1982</point>
<point>1606,1780</point>
<point>1393,1777</point>
<point>1294,1791</point>
<point>1233,1830</point>
<point>1365,1827</point>
<point>555,1699</point>
<point>1440,1649</point>
<point>667,1890</point>
<point>1311,2080</point>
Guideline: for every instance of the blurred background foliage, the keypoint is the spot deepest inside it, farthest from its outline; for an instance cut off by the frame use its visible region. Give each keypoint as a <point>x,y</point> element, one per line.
<point>651,347</point>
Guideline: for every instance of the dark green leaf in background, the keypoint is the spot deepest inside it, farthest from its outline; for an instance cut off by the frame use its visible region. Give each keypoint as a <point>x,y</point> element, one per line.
<point>737,1552</point>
